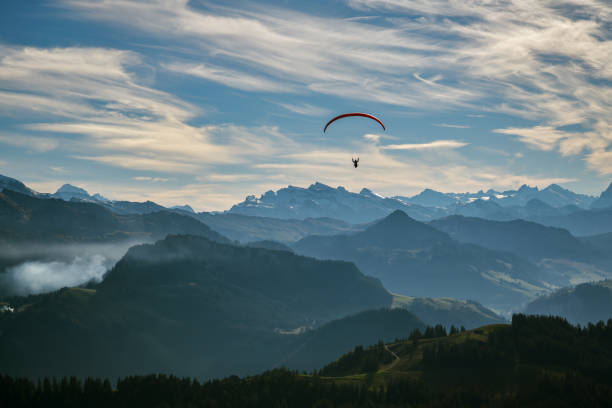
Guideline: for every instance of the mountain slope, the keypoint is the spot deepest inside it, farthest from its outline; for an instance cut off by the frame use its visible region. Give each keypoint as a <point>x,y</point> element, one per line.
<point>604,200</point>
<point>579,223</point>
<point>323,345</point>
<point>602,241</point>
<point>7,183</point>
<point>528,239</point>
<point>447,311</point>
<point>565,259</point>
<point>543,358</point>
<point>588,302</point>
<point>186,305</point>
<point>25,218</point>
<point>416,259</point>
<point>245,228</point>
<point>68,192</point>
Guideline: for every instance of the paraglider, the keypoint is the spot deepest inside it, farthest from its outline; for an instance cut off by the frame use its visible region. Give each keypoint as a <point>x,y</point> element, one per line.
<point>346,115</point>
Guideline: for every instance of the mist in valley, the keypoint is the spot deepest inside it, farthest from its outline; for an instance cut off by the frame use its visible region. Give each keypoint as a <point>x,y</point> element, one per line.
<point>30,269</point>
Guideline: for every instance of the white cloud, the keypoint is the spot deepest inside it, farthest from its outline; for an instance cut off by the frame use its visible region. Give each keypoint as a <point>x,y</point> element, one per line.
<point>600,161</point>
<point>437,144</point>
<point>142,163</point>
<point>349,58</point>
<point>39,144</point>
<point>536,60</point>
<point>538,137</point>
<point>449,125</point>
<point>372,137</point>
<point>152,179</point>
<point>230,178</point>
<point>305,109</point>
<point>113,118</point>
<point>548,138</point>
<point>40,277</point>
<point>231,78</point>
<point>521,58</point>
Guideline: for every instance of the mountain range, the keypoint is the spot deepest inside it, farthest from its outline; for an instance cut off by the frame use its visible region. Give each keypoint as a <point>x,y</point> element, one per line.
<point>24,218</point>
<point>552,206</point>
<point>553,195</point>
<point>416,259</point>
<point>503,263</point>
<point>563,258</point>
<point>205,305</point>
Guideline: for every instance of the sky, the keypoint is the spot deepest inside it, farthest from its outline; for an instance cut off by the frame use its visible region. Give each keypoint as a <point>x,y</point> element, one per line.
<point>204,102</point>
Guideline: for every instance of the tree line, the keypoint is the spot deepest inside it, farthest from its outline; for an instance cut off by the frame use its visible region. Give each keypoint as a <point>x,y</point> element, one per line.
<point>542,361</point>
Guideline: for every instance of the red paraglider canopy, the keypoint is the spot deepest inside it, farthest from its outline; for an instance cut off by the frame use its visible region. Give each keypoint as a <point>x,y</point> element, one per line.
<point>346,115</point>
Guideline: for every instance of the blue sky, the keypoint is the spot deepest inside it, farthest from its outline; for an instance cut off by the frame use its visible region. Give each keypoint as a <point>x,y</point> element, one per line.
<point>206,102</point>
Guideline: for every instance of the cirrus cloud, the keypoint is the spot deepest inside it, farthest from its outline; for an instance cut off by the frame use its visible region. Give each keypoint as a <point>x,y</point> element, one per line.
<point>437,144</point>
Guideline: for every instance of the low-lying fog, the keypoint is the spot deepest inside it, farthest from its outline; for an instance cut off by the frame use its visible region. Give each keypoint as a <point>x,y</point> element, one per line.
<point>36,268</point>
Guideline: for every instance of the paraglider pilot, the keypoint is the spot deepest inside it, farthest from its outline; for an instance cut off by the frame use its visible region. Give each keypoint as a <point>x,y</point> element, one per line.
<point>355,162</point>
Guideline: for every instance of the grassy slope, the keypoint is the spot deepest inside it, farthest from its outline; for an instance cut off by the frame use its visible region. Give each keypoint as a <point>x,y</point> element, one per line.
<point>410,356</point>
<point>505,358</point>
<point>447,311</point>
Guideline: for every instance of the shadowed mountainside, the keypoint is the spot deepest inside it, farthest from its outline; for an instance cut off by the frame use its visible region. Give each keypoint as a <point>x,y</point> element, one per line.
<point>185,305</point>
<point>416,259</point>
<point>325,344</point>
<point>534,362</point>
<point>563,258</point>
<point>246,228</point>
<point>588,302</point>
<point>30,219</point>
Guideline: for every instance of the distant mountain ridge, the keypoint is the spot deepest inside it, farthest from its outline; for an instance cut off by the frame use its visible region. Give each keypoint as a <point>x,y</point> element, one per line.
<point>604,200</point>
<point>552,206</point>
<point>553,195</point>
<point>548,205</point>
<point>448,311</point>
<point>585,303</point>
<point>68,192</point>
<point>525,238</point>
<point>12,184</point>
<point>416,259</point>
<point>566,259</point>
<point>25,218</point>
<point>320,200</point>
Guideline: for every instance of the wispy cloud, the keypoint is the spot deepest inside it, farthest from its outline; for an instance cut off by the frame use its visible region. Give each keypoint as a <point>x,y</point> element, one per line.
<point>151,179</point>
<point>438,144</point>
<point>538,137</point>
<point>535,60</point>
<point>39,144</point>
<point>532,60</point>
<point>142,163</point>
<point>231,78</point>
<point>376,137</point>
<point>305,109</point>
<point>449,125</point>
<point>113,118</point>
<point>348,58</point>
